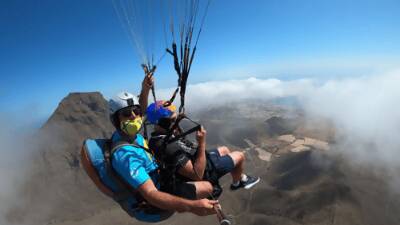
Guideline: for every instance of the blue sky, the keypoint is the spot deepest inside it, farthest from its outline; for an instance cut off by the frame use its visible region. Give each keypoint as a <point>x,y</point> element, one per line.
<point>50,48</point>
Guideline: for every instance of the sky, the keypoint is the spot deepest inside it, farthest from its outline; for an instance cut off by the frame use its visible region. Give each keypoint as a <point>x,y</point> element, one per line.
<point>51,48</point>
<point>339,58</point>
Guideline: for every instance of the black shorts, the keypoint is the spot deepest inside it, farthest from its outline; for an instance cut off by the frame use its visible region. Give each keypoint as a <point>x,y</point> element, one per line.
<point>182,189</point>
<point>223,164</point>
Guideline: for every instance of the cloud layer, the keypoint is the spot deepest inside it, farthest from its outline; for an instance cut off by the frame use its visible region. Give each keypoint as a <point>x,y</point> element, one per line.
<point>14,162</point>
<point>365,110</point>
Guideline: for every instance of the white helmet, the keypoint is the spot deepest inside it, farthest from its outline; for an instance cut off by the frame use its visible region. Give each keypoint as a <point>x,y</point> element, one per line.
<point>122,100</point>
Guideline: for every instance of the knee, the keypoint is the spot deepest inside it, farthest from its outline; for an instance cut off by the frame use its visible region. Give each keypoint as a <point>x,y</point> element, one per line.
<point>237,157</point>
<point>203,189</point>
<point>209,187</point>
<point>241,156</point>
<point>223,150</point>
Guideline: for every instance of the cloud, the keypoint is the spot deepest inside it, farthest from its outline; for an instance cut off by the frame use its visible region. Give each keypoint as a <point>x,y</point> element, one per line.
<point>322,67</point>
<point>210,94</point>
<point>15,159</point>
<point>365,110</point>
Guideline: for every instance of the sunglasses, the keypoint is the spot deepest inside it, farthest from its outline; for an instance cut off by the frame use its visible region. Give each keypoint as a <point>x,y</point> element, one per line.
<point>128,111</point>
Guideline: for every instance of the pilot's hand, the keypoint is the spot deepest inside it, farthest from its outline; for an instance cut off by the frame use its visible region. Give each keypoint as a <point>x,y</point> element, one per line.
<point>148,80</point>
<point>204,207</point>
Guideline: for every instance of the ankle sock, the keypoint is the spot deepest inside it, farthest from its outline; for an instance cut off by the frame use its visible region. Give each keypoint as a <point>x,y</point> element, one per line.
<point>244,178</point>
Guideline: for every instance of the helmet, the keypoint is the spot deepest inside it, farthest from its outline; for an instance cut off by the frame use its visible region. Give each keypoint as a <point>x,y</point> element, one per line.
<point>156,111</point>
<point>122,100</point>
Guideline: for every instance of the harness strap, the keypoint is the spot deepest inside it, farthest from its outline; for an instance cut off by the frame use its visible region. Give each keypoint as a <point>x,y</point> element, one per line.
<point>125,189</point>
<point>181,135</point>
<point>168,140</point>
<point>128,141</point>
<point>171,130</point>
<point>169,102</point>
<point>121,144</point>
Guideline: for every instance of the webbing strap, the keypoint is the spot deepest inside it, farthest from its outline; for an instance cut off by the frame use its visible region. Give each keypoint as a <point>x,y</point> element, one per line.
<point>181,135</point>
<point>168,140</point>
<point>125,190</point>
<point>121,144</point>
<point>169,102</point>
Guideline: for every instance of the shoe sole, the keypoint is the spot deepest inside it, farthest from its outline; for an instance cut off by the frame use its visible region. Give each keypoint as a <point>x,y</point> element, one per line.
<point>252,184</point>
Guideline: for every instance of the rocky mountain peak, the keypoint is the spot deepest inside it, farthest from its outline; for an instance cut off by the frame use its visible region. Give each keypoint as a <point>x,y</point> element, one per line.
<point>81,108</point>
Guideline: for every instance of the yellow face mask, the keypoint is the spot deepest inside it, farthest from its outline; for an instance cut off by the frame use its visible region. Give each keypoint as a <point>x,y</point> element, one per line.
<point>132,127</point>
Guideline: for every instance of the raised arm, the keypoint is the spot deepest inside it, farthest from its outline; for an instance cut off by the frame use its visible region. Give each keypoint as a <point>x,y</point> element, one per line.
<point>167,201</point>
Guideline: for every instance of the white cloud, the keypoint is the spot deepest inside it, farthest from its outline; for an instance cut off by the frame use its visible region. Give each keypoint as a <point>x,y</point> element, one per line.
<point>365,110</point>
<point>216,93</point>
<point>15,159</point>
<point>322,67</point>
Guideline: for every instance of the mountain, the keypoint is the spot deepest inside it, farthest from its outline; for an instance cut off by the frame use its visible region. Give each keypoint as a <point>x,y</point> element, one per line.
<point>56,184</point>
<point>304,178</point>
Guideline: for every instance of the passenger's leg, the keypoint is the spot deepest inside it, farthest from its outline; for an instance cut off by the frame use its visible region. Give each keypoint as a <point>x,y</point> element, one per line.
<point>239,179</point>
<point>238,161</point>
<point>203,189</point>
<point>223,150</point>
